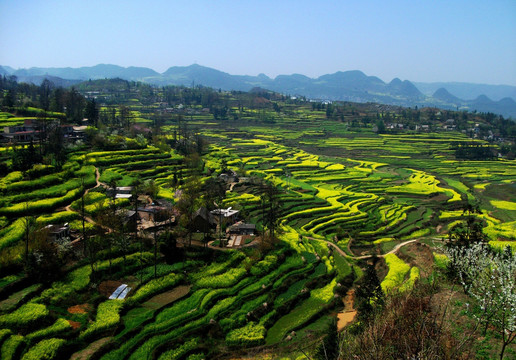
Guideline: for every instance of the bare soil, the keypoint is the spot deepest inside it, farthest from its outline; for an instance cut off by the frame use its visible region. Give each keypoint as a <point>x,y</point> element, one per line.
<point>348,314</point>
<point>106,288</point>
<point>91,349</point>
<point>80,309</point>
<point>167,297</point>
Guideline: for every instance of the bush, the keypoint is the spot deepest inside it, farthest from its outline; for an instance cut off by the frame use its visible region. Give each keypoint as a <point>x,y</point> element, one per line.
<point>45,349</point>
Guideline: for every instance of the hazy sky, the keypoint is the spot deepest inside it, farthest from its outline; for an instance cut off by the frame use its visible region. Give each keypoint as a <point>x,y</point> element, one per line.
<point>417,40</point>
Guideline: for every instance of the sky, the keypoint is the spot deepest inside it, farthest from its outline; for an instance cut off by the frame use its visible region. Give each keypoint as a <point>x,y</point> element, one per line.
<point>417,40</point>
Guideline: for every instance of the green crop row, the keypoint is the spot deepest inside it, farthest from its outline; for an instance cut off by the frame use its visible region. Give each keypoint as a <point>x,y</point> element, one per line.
<point>57,218</point>
<point>156,286</point>
<point>264,266</point>
<point>40,206</point>
<point>26,315</point>
<point>79,278</point>
<point>396,275</point>
<point>238,317</point>
<point>10,347</point>
<point>13,233</point>
<point>45,349</point>
<point>180,351</point>
<point>217,268</point>
<point>250,335</point>
<point>302,313</point>
<point>107,316</point>
<point>229,278</point>
<point>60,326</point>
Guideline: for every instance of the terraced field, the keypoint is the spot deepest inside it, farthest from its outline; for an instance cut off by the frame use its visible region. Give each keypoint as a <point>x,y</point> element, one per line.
<point>365,193</point>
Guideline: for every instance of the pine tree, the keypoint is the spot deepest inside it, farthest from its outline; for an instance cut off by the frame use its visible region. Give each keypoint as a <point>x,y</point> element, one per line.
<point>329,348</point>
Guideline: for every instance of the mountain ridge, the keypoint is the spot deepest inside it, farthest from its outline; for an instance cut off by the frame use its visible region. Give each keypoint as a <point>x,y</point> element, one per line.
<point>352,85</point>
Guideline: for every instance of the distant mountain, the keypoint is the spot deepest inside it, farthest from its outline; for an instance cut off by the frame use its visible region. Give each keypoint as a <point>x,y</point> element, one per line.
<point>100,71</point>
<point>38,79</point>
<point>404,89</point>
<point>3,71</point>
<point>469,91</point>
<point>443,95</point>
<point>342,85</point>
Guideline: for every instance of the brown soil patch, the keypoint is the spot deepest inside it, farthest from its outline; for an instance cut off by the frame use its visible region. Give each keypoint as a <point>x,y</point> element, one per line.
<point>80,309</point>
<point>91,349</point>
<point>348,314</point>
<point>107,288</point>
<point>420,255</point>
<point>74,324</point>
<point>167,297</point>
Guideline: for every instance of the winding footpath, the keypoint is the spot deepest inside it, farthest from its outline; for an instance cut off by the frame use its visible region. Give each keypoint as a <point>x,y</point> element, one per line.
<point>87,218</point>
<point>341,252</point>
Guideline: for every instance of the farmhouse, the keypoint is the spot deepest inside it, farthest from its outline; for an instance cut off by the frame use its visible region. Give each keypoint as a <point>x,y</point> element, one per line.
<point>58,232</point>
<point>242,229</point>
<point>203,220</point>
<point>226,215</point>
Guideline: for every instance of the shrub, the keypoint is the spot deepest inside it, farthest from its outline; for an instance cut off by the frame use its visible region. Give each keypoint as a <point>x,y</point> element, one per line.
<point>45,349</point>
<point>107,316</point>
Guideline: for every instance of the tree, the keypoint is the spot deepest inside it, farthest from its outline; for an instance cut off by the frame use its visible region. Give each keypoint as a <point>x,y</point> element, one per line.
<point>74,106</point>
<point>91,112</point>
<point>489,278</point>
<point>469,231</point>
<point>188,204</point>
<point>369,293</point>
<point>329,348</point>
<point>271,207</point>
<point>44,91</point>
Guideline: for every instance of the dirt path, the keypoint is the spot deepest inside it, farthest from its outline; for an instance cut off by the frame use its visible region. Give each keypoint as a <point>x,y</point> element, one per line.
<point>87,218</point>
<point>341,252</point>
<point>346,316</point>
